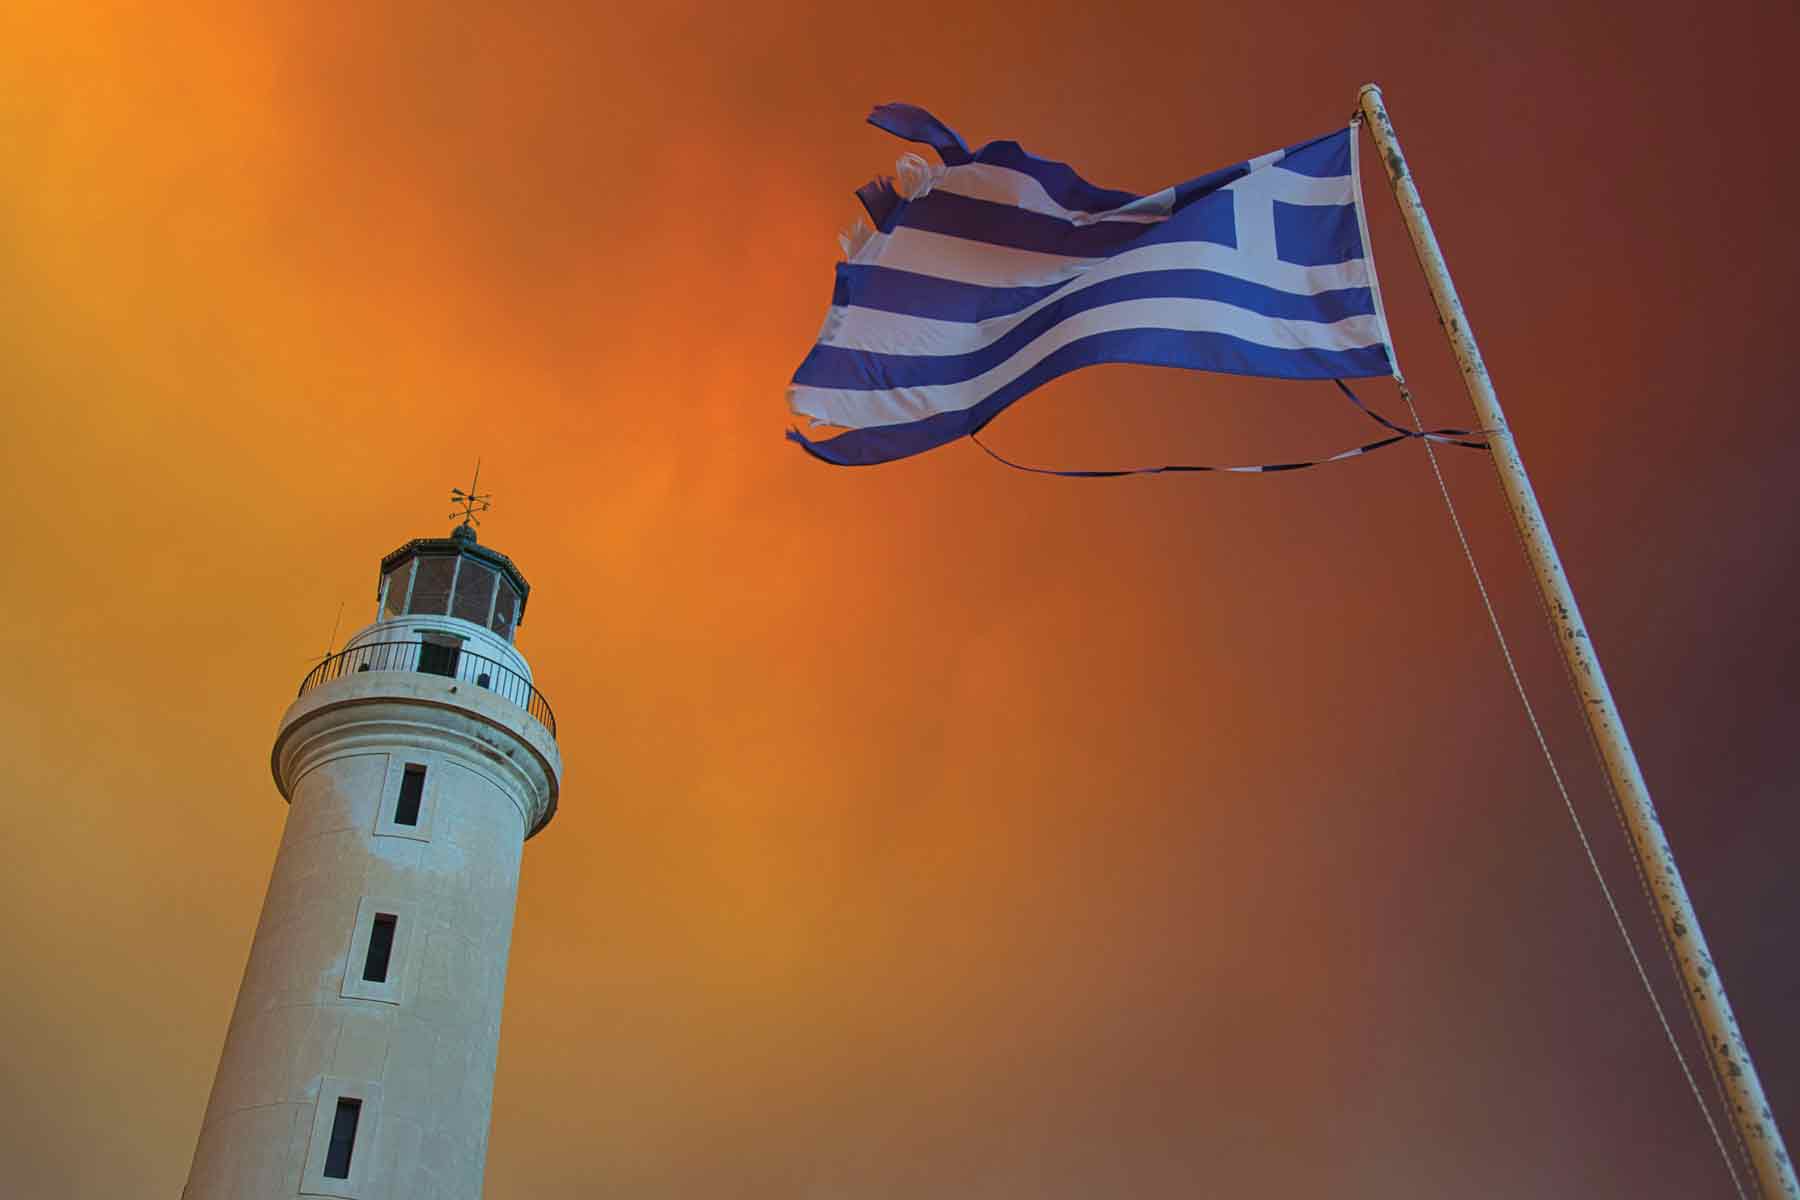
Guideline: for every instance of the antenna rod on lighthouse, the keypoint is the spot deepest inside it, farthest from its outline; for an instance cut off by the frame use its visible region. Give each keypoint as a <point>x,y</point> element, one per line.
<point>1704,990</point>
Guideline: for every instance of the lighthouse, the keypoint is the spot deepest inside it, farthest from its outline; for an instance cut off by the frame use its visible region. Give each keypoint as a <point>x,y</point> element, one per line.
<point>416,762</point>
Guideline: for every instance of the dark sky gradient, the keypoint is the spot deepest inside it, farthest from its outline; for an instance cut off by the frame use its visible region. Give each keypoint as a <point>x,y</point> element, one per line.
<point>934,830</point>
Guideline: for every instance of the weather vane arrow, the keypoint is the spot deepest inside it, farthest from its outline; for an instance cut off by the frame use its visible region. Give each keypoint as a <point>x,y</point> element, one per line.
<point>471,502</point>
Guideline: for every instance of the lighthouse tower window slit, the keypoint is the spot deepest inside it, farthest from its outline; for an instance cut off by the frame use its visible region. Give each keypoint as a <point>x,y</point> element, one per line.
<point>343,1138</point>
<point>412,791</point>
<point>381,949</point>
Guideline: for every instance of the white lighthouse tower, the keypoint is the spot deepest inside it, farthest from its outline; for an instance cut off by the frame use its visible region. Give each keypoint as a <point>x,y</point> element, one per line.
<point>360,1058</point>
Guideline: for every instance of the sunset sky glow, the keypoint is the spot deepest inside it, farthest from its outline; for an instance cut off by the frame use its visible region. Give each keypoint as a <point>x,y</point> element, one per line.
<point>931,830</point>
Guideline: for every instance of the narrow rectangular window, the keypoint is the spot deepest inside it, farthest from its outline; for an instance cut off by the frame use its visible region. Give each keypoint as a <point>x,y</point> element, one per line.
<point>343,1138</point>
<point>412,790</point>
<point>381,948</point>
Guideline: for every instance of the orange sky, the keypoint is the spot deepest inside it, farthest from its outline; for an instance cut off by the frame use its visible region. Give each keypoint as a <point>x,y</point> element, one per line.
<point>931,830</point>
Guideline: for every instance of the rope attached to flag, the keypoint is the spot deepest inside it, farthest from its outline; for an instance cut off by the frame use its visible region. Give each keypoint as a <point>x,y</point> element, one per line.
<point>1446,436</point>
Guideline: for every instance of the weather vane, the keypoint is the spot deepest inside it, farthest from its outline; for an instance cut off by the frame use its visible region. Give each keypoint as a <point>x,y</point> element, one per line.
<point>471,502</point>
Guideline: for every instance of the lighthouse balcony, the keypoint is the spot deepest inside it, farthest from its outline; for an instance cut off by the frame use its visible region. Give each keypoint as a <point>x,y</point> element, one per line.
<point>428,657</point>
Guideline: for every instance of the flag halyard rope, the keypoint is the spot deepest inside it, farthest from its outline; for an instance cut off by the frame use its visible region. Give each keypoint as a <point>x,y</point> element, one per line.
<point>1587,848</point>
<point>1398,433</point>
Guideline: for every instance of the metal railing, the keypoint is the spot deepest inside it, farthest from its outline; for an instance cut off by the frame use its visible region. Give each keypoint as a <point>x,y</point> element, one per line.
<point>429,658</point>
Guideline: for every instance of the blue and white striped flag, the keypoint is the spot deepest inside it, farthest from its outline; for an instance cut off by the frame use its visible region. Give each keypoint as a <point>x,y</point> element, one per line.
<point>997,271</point>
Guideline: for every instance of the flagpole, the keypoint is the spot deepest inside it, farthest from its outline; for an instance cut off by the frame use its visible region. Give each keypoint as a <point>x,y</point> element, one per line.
<point>1703,989</point>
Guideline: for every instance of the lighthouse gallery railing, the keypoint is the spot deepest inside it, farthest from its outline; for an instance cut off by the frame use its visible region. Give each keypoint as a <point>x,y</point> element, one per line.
<point>429,658</point>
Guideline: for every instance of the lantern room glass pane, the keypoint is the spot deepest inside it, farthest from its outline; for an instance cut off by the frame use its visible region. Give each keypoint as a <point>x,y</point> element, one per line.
<point>431,586</point>
<point>506,607</point>
<point>397,579</point>
<point>474,592</point>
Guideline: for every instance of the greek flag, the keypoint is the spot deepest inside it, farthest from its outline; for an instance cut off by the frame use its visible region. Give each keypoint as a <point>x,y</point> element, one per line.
<point>994,271</point>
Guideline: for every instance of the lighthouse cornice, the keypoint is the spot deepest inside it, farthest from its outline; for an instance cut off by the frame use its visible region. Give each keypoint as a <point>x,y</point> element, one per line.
<point>365,713</point>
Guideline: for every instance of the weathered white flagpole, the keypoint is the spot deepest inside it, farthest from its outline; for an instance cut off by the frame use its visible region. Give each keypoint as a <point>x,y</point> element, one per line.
<point>1704,990</point>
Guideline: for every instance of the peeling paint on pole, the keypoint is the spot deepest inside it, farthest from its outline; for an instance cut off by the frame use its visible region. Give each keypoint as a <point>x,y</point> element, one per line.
<point>1704,991</point>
